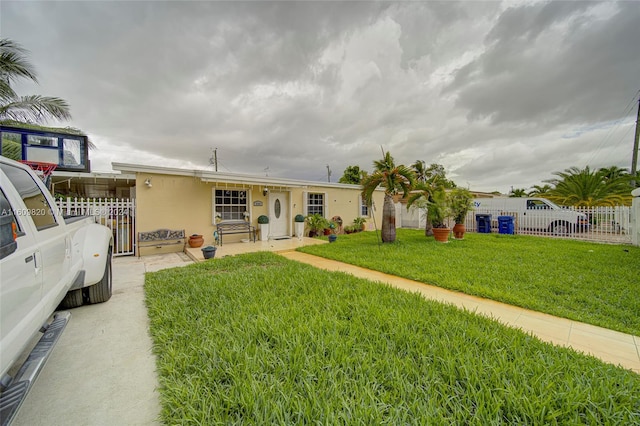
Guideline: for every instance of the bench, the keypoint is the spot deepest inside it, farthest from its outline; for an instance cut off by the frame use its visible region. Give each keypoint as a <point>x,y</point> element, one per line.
<point>235,227</point>
<point>161,238</point>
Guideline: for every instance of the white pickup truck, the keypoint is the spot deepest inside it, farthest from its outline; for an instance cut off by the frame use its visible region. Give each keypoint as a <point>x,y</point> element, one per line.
<point>534,214</point>
<point>46,261</point>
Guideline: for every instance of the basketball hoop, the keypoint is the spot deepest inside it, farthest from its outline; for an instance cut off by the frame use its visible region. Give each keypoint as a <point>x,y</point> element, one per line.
<point>43,170</point>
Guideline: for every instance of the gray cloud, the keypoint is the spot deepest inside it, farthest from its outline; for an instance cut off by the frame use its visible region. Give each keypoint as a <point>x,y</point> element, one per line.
<point>490,90</point>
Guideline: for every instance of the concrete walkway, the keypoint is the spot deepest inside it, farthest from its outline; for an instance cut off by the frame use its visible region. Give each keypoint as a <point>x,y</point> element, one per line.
<point>610,346</point>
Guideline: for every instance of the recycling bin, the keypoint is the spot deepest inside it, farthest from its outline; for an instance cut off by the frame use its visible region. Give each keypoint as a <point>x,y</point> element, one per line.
<point>483,223</point>
<point>505,224</point>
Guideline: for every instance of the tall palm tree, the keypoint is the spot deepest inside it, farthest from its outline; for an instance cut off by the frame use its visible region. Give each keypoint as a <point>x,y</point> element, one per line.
<point>586,187</point>
<point>393,179</point>
<point>34,108</point>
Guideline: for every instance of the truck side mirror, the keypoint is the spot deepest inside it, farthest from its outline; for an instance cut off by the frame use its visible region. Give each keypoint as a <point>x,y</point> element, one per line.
<point>8,229</point>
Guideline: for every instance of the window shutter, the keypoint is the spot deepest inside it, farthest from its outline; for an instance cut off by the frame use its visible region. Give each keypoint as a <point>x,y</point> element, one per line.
<point>325,200</point>
<point>304,203</point>
<point>213,205</point>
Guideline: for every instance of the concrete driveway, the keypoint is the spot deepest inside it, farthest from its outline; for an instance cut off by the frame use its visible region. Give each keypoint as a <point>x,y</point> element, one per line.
<point>102,371</point>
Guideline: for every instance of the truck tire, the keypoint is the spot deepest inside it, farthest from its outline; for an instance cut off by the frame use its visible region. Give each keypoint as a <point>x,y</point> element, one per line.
<point>72,299</point>
<point>101,291</point>
<point>561,228</point>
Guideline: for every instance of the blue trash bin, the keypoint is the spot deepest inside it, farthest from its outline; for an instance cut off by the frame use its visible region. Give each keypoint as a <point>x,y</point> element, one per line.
<point>483,223</point>
<point>505,225</point>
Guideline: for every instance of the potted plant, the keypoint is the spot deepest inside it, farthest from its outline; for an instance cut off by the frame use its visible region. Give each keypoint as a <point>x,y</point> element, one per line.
<point>438,212</point>
<point>299,223</point>
<point>334,228</point>
<point>263,221</point>
<point>209,252</point>
<point>358,223</point>
<point>316,224</point>
<point>460,202</point>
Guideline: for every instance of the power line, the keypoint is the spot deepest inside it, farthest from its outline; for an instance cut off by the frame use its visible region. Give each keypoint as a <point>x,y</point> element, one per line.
<point>627,111</point>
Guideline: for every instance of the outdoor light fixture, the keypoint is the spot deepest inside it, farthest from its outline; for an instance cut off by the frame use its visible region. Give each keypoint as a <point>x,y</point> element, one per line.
<point>148,182</point>
<point>265,192</point>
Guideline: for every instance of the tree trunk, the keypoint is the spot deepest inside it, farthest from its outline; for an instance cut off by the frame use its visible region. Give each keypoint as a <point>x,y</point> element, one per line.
<point>428,229</point>
<point>388,231</point>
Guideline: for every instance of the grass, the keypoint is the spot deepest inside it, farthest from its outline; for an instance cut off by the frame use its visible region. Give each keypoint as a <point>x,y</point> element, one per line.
<point>594,283</point>
<point>258,339</point>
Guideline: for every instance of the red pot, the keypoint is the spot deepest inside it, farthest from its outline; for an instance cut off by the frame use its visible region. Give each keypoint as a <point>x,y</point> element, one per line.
<point>441,234</point>
<point>458,231</point>
<point>196,240</point>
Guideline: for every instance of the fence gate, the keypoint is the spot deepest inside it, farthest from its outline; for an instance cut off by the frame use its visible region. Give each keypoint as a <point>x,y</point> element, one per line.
<point>116,213</point>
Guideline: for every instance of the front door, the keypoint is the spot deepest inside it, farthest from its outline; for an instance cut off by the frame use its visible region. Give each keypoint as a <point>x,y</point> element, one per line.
<point>278,214</point>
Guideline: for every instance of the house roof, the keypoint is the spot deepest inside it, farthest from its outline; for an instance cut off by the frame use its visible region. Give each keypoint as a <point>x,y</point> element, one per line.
<point>236,178</point>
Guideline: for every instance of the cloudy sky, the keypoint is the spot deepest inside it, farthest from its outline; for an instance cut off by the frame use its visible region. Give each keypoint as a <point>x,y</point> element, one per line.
<point>501,93</point>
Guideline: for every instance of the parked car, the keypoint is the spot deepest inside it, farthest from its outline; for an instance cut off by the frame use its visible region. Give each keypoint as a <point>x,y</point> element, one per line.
<point>47,261</point>
<point>533,213</point>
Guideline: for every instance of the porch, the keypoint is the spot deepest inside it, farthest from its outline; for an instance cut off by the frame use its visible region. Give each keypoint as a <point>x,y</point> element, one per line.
<point>231,249</point>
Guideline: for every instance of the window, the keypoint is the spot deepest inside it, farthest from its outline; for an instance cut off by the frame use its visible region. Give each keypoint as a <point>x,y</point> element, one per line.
<point>230,204</point>
<point>72,152</point>
<point>8,228</point>
<point>364,208</point>
<point>38,207</point>
<point>537,205</point>
<point>315,203</point>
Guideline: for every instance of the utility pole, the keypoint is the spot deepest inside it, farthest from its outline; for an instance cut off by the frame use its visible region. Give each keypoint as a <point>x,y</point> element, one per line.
<point>214,160</point>
<point>328,174</point>
<point>634,158</point>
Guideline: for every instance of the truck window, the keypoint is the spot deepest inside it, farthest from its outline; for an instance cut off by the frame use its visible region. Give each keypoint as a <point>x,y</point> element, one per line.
<point>37,206</point>
<point>8,228</point>
<point>537,205</point>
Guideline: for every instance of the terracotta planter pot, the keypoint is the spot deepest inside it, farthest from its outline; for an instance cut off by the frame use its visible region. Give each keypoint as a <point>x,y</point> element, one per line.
<point>441,234</point>
<point>458,231</point>
<point>195,240</point>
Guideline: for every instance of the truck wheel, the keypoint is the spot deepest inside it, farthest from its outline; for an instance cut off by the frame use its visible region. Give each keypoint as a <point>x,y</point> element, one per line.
<point>72,299</point>
<point>560,228</point>
<point>101,291</point>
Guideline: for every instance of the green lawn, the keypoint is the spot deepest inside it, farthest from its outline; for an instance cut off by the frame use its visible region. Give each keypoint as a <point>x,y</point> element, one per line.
<point>258,339</point>
<point>594,283</point>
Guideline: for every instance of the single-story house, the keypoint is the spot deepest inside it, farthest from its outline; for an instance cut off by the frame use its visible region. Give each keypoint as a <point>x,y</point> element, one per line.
<point>195,200</point>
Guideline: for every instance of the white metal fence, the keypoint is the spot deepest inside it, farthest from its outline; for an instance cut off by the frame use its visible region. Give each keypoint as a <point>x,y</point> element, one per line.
<point>115,213</point>
<point>601,224</point>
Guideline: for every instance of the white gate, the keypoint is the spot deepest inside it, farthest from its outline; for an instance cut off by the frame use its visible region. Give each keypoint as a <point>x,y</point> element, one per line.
<point>116,213</point>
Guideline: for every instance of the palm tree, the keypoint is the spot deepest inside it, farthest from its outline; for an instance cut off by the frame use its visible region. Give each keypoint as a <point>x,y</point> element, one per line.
<point>393,179</point>
<point>517,192</point>
<point>31,109</point>
<point>420,169</point>
<point>540,190</point>
<point>585,187</point>
<point>614,173</point>
<point>424,194</point>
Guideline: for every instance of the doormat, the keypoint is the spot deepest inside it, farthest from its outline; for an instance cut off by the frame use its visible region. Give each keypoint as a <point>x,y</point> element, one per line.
<point>281,238</point>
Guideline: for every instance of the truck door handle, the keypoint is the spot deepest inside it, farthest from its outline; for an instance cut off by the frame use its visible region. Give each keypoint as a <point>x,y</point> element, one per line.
<point>28,259</point>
